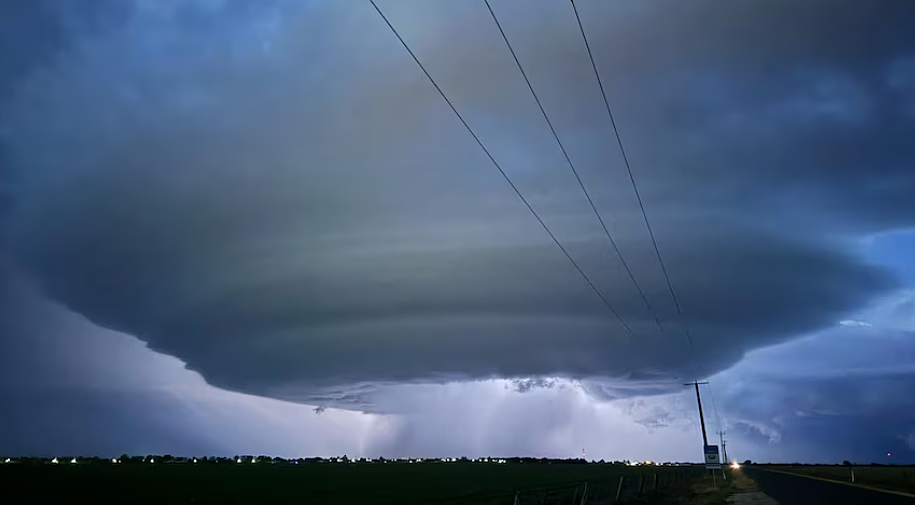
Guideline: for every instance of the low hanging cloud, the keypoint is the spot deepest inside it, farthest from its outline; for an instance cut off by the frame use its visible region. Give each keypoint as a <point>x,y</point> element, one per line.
<point>293,212</point>
<point>851,402</point>
<point>70,388</point>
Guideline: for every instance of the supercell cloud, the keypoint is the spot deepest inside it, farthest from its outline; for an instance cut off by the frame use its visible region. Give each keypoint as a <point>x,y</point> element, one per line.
<point>293,212</point>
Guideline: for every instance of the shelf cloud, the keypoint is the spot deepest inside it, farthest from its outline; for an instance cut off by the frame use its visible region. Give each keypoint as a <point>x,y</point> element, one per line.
<point>295,213</point>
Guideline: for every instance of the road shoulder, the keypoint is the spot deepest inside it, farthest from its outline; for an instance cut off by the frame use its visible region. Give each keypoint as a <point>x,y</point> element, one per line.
<point>745,491</point>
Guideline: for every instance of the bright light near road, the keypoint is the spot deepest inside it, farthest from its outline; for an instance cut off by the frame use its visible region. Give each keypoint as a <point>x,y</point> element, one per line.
<point>73,460</point>
<point>735,465</point>
<point>54,461</point>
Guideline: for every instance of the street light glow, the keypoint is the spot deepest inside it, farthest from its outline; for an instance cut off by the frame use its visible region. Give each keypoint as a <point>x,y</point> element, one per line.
<point>735,465</point>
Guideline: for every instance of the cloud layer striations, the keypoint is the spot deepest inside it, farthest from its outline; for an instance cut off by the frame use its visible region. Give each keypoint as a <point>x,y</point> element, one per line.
<point>281,200</point>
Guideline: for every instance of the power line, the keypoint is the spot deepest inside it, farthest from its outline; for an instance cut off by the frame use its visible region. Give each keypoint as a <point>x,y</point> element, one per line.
<point>501,171</point>
<point>715,407</point>
<point>565,154</point>
<point>635,186</point>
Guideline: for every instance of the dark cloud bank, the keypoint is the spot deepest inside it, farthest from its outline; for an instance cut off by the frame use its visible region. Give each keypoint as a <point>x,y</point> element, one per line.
<point>291,210</point>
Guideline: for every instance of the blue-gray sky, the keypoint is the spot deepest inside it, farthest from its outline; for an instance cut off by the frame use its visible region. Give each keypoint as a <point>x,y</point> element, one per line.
<point>220,215</point>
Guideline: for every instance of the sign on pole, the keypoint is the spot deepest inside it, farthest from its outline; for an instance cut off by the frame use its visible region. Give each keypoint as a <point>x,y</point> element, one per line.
<point>712,461</point>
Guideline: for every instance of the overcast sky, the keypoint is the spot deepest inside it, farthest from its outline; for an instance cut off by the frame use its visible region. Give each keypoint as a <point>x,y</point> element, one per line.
<point>256,227</point>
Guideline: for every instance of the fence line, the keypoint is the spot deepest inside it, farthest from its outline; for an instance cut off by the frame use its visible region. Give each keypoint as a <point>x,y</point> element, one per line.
<point>613,490</point>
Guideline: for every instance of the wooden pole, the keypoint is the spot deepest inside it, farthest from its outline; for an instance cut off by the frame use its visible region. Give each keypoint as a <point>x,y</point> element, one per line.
<point>619,489</point>
<point>701,417</point>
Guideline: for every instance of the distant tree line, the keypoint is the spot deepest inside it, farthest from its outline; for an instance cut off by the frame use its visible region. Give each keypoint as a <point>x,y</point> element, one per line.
<point>126,459</point>
<point>152,459</point>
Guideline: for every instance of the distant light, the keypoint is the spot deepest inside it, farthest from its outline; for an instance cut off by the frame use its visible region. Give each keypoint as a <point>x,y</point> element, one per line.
<point>735,465</point>
<point>73,460</point>
<point>152,460</point>
<point>54,461</point>
<point>7,460</point>
<point>889,454</point>
<point>648,462</point>
<point>254,460</point>
<point>114,460</point>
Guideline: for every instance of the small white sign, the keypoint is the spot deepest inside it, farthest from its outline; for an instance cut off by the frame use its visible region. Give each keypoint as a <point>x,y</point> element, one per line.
<point>712,461</point>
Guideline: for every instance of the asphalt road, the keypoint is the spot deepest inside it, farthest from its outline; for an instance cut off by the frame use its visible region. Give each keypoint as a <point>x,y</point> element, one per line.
<point>796,490</point>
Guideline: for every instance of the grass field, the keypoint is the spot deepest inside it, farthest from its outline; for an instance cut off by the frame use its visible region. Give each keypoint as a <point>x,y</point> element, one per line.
<point>395,483</point>
<point>899,478</point>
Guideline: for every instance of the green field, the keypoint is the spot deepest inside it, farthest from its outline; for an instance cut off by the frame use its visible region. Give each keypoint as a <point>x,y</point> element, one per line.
<point>899,478</point>
<point>341,483</point>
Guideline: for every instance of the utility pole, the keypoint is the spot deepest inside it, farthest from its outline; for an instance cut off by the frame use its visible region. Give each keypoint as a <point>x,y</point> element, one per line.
<point>701,418</point>
<point>724,446</point>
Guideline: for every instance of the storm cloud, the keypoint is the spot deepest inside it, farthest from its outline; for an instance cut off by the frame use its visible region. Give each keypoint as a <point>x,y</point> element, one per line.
<point>293,211</point>
<point>840,394</point>
<point>69,387</point>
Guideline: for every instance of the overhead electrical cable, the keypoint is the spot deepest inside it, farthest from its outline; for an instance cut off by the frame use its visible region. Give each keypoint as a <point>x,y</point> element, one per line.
<point>635,188</point>
<point>568,159</point>
<point>501,171</point>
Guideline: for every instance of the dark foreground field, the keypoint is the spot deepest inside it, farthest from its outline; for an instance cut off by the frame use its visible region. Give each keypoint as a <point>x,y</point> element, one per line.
<point>341,483</point>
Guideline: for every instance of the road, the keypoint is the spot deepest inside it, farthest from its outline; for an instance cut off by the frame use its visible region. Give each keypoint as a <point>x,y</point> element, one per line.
<point>796,490</point>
